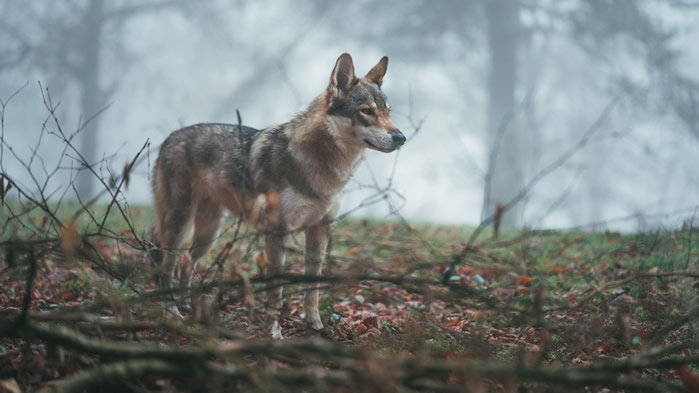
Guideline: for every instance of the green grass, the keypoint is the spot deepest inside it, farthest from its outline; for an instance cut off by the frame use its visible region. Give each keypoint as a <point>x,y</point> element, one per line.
<point>24,219</point>
<point>566,265</point>
<point>555,297</point>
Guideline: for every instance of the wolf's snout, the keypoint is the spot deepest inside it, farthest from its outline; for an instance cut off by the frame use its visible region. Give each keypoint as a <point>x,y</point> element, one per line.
<point>398,138</point>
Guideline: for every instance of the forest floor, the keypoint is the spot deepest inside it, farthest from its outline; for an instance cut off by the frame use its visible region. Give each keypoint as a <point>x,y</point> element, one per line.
<point>407,308</point>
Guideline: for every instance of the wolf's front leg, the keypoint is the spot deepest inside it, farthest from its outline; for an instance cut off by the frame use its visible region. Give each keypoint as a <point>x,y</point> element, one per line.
<point>274,251</point>
<point>316,245</point>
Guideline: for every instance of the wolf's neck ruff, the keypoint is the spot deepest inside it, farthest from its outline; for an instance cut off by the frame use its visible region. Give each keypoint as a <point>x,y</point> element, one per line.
<point>317,142</point>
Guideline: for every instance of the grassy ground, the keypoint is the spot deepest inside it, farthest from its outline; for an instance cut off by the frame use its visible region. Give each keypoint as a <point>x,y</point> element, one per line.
<point>538,298</point>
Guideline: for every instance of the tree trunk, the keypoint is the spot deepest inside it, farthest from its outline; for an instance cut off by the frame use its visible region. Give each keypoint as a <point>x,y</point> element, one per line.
<point>507,176</point>
<point>92,96</point>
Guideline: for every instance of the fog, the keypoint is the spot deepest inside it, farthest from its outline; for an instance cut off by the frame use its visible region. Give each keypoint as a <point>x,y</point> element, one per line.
<point>596,113</point>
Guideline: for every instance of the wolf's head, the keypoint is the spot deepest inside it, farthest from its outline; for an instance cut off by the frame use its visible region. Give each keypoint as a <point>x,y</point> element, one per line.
<point>358,113</point>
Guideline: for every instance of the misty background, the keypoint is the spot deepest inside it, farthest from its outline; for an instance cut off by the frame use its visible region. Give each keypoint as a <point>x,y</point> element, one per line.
<point>598,95</point>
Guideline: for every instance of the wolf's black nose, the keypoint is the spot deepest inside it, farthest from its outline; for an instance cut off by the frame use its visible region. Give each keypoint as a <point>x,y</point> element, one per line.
<point>398,138</point>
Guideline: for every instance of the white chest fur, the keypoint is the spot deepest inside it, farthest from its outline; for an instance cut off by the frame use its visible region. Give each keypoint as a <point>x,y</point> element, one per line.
<point>299,211</point>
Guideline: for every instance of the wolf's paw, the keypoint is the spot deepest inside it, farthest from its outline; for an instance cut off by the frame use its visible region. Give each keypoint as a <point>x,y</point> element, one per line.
<point>314,323</point>
<point>275,331</point>
<point>173,310</point>
<point>184,306</point>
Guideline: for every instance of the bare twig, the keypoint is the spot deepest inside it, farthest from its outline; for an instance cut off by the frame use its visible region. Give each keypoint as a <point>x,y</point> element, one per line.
<point>554,165</point>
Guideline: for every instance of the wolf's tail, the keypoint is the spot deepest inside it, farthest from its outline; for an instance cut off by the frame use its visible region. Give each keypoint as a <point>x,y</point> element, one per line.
<point>155,252</point>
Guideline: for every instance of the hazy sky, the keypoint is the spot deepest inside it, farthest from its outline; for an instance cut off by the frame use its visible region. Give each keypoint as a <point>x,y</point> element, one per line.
<point>177,71</point>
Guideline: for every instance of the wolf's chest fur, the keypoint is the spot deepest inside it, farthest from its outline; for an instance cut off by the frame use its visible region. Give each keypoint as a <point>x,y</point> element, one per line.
<point>304,165</point>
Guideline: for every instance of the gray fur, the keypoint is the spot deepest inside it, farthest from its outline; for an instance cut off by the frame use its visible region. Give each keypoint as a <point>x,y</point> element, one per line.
<point>296,169</point>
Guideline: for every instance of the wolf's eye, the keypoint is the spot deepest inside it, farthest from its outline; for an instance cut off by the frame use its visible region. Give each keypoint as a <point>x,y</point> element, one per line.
<point>367,111</point>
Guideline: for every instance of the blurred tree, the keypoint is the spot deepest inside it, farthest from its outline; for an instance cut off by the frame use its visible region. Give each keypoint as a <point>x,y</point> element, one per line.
<point>506,175</point>
<point>269,59</point>
<point>77,42</point>
<point>609,31</point>
<point>74,44</point>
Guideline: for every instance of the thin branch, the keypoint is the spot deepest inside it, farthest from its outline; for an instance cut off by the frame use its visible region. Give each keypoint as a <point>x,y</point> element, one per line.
<point>554,165</point>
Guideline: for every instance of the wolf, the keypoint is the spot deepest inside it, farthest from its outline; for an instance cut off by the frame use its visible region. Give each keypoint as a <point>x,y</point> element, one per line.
<point>285,178</point>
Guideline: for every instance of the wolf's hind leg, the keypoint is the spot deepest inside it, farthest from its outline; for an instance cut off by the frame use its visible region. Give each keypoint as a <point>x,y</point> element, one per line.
<point>274,251</point>
<point>316,245</point>
<point>207,222</point>
<point>173,209</point>
<point>175,226</point>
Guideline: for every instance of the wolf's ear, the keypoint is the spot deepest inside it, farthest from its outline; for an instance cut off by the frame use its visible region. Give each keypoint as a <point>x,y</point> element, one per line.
<point>343,76</point>
<point>376,74</point>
